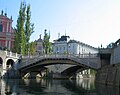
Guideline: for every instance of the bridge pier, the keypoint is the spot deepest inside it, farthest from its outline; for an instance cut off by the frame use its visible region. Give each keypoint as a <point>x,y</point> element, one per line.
<point>32,74</point>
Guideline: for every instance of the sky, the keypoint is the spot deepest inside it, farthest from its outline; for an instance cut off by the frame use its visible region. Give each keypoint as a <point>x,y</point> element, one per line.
<point>93,22</point>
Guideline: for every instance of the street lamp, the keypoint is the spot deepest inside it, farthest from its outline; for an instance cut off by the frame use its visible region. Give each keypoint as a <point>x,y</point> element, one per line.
<point>29,52</point>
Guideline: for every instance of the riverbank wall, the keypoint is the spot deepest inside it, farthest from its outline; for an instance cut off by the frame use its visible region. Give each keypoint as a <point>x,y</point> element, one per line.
<point>109,75</point>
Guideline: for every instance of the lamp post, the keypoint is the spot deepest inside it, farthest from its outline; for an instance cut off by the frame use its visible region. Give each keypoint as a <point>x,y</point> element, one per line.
<point>29,53</point>
<point>68,46</point>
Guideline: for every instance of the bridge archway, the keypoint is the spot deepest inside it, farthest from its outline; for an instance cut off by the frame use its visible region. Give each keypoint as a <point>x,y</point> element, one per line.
<point>9,63</point>
<point>72,70</point>
<point>1,61</point>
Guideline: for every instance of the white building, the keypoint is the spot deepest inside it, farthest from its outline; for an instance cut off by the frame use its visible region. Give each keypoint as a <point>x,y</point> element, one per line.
<point>63,45</point>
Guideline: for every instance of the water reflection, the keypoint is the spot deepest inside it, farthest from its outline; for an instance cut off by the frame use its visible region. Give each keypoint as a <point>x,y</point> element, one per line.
<point>87,84</point>
<point>55,87</point>
<point>107,90</point>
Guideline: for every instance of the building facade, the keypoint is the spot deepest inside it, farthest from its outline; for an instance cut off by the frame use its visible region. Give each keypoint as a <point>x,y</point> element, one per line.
<point>65,45</point>
<point>6,32</point>
<point>39,46</point>
<point>115,58</point>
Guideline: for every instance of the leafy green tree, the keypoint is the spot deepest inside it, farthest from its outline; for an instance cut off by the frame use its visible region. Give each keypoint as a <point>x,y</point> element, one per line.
<point>24,29</point>
<point>29,28</point>
<point>111,45</point>
<point>19,35</point>
<point>92,72</point>
<point>17,42</point>
<point>46,43</point>
<point>32,50</point>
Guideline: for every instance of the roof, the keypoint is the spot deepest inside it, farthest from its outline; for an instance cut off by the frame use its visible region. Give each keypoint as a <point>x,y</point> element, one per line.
<point>39,40</point>
<point>5,18</point>
<point>63,38</point>
<point>118,41</point>
<point>74,41</point>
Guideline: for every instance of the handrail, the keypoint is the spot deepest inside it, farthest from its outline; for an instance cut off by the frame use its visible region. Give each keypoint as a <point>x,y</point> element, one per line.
<point>57,55</point>
<point>10,54</point>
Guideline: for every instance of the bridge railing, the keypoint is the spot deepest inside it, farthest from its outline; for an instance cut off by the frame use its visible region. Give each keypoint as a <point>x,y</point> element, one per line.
<point>11,54</point>
<point>91,61</point>
<point>59,55</point>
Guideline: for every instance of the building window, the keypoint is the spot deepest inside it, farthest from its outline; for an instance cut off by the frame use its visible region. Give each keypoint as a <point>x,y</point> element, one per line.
<point>40,47</point>
<point>1,27</point>
<point>56,48</point>
<point>64,48</point>
<point>60,48</point>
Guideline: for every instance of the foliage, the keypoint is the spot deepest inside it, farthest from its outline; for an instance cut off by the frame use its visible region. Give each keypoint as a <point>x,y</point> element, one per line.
<point>29,28</point>
<point>111,45</point>
<point>46,43</point>
<point>65,52</point>
<point>92,72</point>
<point>24,29</point>
<point>32,48</point>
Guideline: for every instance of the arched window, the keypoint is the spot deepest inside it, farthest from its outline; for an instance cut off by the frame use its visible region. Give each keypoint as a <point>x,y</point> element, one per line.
<point>1,27</point>
<point>1,61</point>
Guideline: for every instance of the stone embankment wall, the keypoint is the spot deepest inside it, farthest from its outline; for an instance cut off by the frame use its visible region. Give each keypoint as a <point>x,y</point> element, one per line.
<point>109,75</point>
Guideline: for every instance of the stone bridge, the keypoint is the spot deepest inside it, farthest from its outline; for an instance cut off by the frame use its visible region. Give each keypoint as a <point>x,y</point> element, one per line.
<point>67,63</point>
<point>8,60</point>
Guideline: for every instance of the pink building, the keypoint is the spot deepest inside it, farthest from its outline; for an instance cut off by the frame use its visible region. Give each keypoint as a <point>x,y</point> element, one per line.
<point>6,32</point>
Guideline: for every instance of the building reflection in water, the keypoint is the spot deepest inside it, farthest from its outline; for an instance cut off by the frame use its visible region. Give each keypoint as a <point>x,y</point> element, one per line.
<point>107,90</point>
<point>7,88</point>
<point>27,82</point>
<point>87,84</point>
<point>55,87</point>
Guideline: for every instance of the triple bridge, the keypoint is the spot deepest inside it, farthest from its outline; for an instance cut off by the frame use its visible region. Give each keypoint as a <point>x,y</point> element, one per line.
<point>66,64</point>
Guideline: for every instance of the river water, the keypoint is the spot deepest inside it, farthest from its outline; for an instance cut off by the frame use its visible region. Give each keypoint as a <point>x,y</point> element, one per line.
<point>55,87</point>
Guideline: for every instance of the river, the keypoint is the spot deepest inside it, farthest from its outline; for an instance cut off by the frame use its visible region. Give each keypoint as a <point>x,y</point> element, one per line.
<point>55,87</point>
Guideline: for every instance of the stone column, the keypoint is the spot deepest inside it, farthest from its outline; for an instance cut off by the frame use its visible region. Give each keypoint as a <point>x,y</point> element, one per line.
<point>7,27</point>
<point>6,43</point>
<point>9,45</point>
<point>10,27</point>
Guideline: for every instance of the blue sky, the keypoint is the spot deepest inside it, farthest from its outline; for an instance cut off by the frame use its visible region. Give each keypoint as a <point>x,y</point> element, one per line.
<point>93,22</point>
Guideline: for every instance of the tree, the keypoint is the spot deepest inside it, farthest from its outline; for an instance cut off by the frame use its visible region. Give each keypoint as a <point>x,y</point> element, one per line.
<point>111,45</point>
<point>19,34</point>
<point>24,29</point>
<point>29,28</point>
<point>32,48</point>
<point>46,43</point>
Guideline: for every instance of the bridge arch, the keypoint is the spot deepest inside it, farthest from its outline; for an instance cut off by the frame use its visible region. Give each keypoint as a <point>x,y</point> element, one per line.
<point>1,61</point>
<point>33,64</point>
<point>71,71</point>
<point>50,61</point>
<point>67,73</point>
<point>9,63</point>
